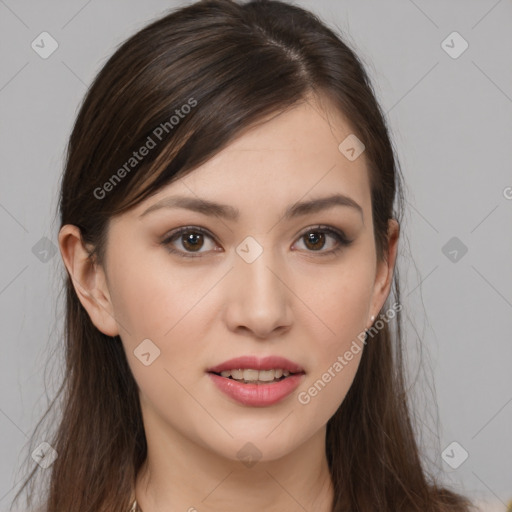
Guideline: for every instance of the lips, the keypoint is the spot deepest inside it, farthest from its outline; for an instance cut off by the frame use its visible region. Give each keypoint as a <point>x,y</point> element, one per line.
<point>260,394</point>
<point>257,395</point>
<point>255,363</point>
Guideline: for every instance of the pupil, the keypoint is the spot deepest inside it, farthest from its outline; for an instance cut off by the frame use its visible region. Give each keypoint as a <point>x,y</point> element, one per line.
<point>190,241</point>
<point>314,237</point>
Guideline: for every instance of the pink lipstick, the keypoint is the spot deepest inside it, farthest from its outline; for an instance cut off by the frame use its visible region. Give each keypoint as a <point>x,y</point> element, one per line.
<point>257,382</point>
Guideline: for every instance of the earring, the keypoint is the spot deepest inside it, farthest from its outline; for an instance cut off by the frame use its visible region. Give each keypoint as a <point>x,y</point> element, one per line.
<point>366,331</point>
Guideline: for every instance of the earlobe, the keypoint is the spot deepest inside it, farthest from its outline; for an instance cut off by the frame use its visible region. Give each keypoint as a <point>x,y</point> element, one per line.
<point>88,280</point>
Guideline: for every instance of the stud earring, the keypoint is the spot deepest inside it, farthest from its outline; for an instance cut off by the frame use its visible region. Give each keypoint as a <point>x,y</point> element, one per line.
<point>366,331</point>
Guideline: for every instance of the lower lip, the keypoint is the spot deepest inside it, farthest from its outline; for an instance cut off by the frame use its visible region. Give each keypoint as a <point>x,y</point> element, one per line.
<point>257,395</point>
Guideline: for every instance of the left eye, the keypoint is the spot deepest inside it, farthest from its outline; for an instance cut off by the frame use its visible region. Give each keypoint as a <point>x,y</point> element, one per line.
<point>192,240</point>
<point>317,236</point>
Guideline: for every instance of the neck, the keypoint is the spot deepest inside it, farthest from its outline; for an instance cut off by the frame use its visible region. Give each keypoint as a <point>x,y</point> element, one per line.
<point>180,475</point>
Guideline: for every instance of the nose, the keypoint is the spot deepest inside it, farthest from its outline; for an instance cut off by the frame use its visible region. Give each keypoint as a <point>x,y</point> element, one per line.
<point>258,298</point>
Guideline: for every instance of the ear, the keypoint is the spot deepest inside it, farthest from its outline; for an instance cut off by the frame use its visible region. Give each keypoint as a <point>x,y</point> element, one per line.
<point>88,279</point>
<point>385,269</point>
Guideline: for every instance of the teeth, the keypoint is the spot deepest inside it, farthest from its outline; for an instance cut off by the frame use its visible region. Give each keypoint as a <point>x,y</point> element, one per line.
<point>249,375</point>
<point>266,375</point>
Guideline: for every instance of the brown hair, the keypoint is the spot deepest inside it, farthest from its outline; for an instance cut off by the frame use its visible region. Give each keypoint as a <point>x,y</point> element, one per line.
<point>233,65</point>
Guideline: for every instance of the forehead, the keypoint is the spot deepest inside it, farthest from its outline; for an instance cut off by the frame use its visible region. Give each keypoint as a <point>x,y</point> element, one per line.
<point>289,156</point>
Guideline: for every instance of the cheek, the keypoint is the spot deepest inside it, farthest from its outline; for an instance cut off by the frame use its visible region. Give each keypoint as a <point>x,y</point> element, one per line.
<point>340,304</point>
<point>174,310</point>
<point>340,299</point>
<point>149,298</point>
<point>336,355</point>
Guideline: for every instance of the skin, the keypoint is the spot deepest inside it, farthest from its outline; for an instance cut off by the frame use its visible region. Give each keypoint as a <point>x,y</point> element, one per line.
<point>200,311</point>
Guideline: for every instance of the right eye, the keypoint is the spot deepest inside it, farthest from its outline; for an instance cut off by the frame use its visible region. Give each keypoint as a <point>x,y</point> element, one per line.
<point>191,239</point>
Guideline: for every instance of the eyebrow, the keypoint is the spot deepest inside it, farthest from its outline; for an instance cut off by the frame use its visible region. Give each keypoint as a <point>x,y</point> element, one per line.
<point>228,212</point>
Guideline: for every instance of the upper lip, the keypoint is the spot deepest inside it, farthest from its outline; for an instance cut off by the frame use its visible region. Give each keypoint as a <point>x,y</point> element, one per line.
<point>257,363</point>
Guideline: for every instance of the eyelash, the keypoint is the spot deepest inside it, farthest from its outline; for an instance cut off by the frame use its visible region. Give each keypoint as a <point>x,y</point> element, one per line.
<point>339,236</point>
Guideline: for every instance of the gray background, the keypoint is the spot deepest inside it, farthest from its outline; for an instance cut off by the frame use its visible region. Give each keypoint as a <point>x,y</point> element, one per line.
<point>451,121</point>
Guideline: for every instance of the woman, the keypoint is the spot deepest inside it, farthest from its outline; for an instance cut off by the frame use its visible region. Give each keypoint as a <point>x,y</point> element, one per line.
<point>229,233</point>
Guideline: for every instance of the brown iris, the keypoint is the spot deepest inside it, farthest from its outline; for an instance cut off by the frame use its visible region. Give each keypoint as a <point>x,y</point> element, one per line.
<point>190,241</point>
<point>316,239</point>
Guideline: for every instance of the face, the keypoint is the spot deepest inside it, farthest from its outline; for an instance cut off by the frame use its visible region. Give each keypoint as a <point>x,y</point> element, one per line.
<point>256,282</point>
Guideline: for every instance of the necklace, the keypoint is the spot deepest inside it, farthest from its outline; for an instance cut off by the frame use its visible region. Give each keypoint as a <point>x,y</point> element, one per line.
<point>135,507</point>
